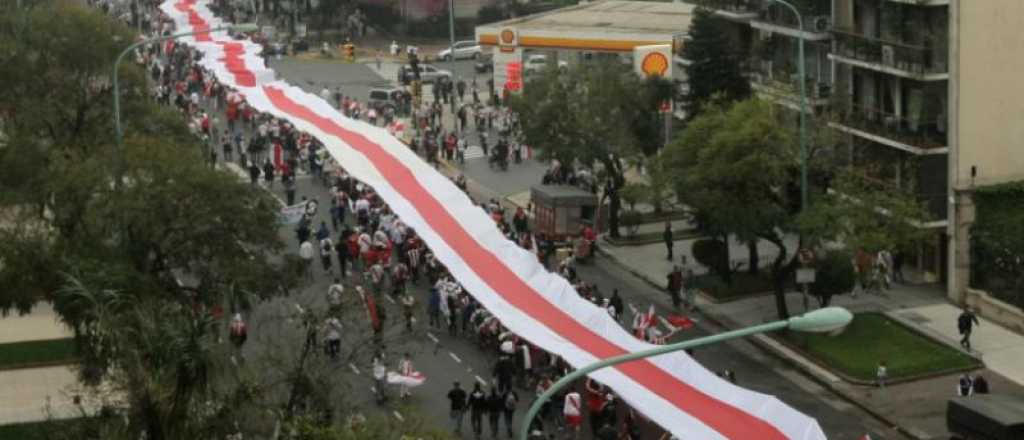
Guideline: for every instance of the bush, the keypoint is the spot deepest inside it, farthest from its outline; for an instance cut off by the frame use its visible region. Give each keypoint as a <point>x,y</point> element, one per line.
<point>712,254</point>
<point>630,220</point>
<point>834,275</point>
<point>634,193</point>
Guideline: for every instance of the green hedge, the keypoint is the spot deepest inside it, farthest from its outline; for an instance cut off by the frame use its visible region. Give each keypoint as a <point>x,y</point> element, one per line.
<point>34,353</point>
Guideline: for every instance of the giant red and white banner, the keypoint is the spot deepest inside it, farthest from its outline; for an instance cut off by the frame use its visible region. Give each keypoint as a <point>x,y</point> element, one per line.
<point>673,390</point>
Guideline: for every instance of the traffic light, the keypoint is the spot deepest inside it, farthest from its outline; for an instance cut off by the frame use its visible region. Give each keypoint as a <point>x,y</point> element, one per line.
<point>350,52</point>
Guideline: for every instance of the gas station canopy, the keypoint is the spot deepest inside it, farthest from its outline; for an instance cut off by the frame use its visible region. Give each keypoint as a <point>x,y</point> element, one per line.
<point>610,26</point>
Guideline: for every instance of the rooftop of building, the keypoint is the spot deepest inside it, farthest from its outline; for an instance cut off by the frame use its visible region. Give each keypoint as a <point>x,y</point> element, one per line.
<point>607,17</point>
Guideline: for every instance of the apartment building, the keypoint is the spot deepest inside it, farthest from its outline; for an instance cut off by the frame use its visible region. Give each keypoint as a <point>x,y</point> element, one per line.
<point>923,94</point>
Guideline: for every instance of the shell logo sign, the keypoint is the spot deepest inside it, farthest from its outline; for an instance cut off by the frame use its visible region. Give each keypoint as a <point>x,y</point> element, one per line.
<point>508,39</point>
<point>653,60</point>
<point>654,63</point>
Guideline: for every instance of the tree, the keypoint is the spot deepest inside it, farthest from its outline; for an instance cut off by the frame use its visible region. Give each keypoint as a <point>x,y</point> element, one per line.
<point>834,275</point>
<point>737,166</point>
<point>590,115</point>
<point>714,67</point>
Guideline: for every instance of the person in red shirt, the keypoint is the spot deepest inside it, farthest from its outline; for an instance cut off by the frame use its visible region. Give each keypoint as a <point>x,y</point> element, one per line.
<point>595,403</point>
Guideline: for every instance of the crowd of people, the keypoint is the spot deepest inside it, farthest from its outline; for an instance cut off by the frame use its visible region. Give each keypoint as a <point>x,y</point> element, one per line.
<point>368,246</point>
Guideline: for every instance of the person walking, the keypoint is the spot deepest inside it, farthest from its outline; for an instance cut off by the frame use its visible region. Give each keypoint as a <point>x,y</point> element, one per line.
<point>380,374</point>
<point>965,385</point>
<point>238,332</point>
<point>288,180</point>
<point>669,239</point>
<point>405,368</point>
<point>407,304</point>
<point>572,409</point>
<point>882,375</point>
<point>306,257</point>
<point>510,400</point>
<point>457,396</point>
<point>965,323</point>
<point>494,407</point>
<point>675,285</point>
<point>332,331</point>
<point>254,174</point>
<point>326,251</point>
<point>334,292</point>
<point>980,385</point>
<point>503,370</point>
<point>268,173</point>
<point>477,409</point>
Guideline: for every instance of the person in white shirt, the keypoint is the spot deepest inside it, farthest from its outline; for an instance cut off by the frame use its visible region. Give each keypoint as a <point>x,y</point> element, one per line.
<point>334,293</point>
<point>326,251</point>
<point>325,94</point>
<point>380,374</point>
<point>405,368</point>
<point>573,412</point>
<point>306,254</point>
<point>332,329</point>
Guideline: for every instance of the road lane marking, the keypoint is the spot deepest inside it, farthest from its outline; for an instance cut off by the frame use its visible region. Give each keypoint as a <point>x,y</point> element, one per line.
<point>454,357</point>
<point>391,300</point>
<point>353,367</point>
<point>433,338</point>
<point>398,416</point>
<point>481,380</point>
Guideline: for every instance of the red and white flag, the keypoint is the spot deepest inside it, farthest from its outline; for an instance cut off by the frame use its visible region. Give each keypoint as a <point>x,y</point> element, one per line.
<point>673,390</point>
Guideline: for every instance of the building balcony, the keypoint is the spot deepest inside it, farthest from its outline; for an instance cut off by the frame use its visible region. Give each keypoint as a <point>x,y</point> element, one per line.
<point>919,137</point>
<point>736,10</point>
<point>905,60</point>
<point>776,20</point>
<point>787,92</point>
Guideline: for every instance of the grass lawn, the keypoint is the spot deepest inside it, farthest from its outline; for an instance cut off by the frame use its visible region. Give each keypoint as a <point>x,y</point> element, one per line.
<point>743,284</point>
<point>31,353</point>
<point>872,338</point>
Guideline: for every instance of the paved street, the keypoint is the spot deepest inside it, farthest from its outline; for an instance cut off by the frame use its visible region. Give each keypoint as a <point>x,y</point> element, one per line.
<point>444,359</point>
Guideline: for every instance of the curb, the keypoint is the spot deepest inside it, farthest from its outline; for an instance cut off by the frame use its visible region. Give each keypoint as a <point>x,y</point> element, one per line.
<point>765,347</point>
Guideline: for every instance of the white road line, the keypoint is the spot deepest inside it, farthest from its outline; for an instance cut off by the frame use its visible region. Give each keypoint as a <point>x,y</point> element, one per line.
<point>353,367</point>
<point>373,389</point>
<point>391,300</point>
<point>454,357</point>
<point>432,337</point>
<point>398,416</point>
<point>666,323</point>
<point>481,380</point>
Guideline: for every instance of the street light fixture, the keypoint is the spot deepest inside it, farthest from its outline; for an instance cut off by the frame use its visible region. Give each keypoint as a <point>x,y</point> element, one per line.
<point>825,320</point>
<point>118,132</point>
<point>803,101</point>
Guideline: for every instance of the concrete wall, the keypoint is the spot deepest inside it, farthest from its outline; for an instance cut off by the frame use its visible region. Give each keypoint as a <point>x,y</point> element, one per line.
<point>995,310</point>
<point>991,91</point>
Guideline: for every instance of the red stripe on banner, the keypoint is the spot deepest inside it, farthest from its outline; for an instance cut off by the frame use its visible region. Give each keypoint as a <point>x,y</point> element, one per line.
<point>236,64</point>
<point>727,420</point>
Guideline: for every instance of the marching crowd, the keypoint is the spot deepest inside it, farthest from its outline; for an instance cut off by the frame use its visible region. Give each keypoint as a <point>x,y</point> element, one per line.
<point>367,245</point>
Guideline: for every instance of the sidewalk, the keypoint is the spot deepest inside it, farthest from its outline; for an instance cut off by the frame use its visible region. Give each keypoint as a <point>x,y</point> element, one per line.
<point>40,325</point>
<point>25,392</point>
<point>917,408</point>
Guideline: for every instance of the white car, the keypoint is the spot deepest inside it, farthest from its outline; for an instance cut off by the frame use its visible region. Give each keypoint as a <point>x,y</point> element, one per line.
<point>537,63</point>
<point>462,50</point>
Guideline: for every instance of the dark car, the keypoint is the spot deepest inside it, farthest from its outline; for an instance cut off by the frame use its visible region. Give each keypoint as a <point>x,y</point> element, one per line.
<point>300,45</point>
<point>986,417</point>
<point>382,99</point>
<point>484,64</point>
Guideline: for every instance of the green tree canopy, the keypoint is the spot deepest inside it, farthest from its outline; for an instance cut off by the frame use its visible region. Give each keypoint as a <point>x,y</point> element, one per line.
<point>714,67</point>
<point>738,169</point>
<point>591,115</point>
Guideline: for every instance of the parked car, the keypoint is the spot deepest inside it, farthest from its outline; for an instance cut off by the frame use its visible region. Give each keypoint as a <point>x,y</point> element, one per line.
<point>537,63</point>
<point>462,50</point>
<point>382,99</point>
<point>428,74</point>
<point>484,64</point>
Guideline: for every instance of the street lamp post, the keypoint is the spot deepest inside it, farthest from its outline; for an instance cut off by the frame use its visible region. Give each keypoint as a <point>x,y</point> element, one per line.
<point>803,102</point>
<point>451,44</point>
<point>819,321</point>
<point>118,132</point>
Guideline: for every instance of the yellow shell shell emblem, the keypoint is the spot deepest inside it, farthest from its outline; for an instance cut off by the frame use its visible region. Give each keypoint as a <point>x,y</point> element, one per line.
<point>654,63</point>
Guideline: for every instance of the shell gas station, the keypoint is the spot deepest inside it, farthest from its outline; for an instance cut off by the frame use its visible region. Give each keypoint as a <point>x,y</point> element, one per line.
<point>648,35</point>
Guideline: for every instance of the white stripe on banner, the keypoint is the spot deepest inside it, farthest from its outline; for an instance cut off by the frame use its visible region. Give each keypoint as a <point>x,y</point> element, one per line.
<point>672,389</point>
